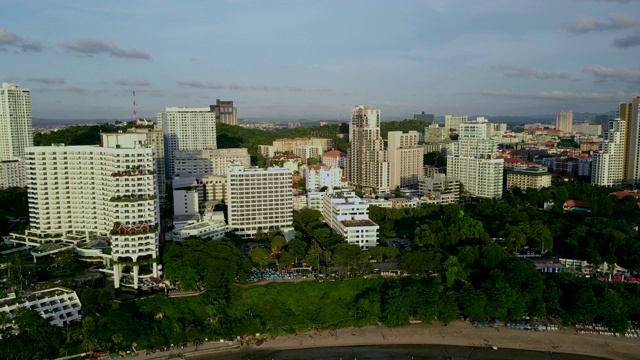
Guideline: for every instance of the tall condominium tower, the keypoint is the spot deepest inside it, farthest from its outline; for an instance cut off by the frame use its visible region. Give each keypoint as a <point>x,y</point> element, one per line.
<point>258,199</point>
<point>630,115</point>
<point>15,121</point>
<point>366,165</point>
<point>226,113</point>
<point>608,166</point>
<point>91,197</point>
<point>473,161</point>
<point>564,121</point>
<point>405,159</point>
<point>186,129</point>
<point>453,122</point>
<point>155,139</point>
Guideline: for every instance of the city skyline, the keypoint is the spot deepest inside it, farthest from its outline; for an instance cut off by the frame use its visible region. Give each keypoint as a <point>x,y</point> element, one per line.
<point>318,59</point>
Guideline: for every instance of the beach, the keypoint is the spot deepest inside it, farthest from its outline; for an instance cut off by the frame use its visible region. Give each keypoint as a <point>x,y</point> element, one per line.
<point>461,338</point>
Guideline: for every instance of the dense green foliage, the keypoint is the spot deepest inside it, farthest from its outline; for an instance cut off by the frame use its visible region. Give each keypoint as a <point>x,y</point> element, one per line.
<point>15,204</point>
<point>73,135</point>
<point>402,125</point>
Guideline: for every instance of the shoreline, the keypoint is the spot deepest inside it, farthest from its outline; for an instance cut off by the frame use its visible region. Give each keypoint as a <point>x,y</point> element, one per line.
<point>458,333</point>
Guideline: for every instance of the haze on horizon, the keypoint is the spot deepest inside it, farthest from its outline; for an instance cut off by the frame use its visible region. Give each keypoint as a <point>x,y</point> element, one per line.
<point>317,59</point>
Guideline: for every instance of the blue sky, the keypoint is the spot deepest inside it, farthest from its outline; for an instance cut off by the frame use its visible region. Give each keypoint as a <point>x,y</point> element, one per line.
<point>317,59</point>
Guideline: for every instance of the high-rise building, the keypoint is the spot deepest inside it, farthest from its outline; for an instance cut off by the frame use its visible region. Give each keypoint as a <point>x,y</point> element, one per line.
<point>405,159</point>
<point>209,161</point>
<point>630,115</point>
<point>564,121</point>
<point>453,122</point>
<point>92,197</point>
<point>424,117</point>
<point>258,199</point>
<point>155,139</point>
<point>186,129</point>
<point>12,174</point>
<point>435,134</point>
<point>367,165</point>
<point>473,160</point>
<point>226,113</point>
<point>16,132</point>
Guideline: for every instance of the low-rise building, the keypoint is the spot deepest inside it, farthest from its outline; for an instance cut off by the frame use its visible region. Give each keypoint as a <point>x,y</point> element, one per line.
<point>59,305</point>
<point>318,176</point>
<point>440,189</point>
<point>532,177</point>
<point>211,226</point>
<point>334,158</point>
<point>348,216</point>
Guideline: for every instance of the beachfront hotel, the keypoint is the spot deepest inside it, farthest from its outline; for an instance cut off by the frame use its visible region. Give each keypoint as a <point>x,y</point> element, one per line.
<point>59,306</point>
<point>258,199</point>
<point>99,200</point>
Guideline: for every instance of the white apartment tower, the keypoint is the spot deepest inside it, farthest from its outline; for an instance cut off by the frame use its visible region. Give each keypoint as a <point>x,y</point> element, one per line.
<point>15,121</point>
<point>473,161</point>
<point>319,176</point>
<point>405,159</point>
<point>258,199</point>
<point>367,165</point>
<point>155,139</point>
<point>453,122</point>
<point>187,129</point>
<point>608,166</point>
<point>564,121</point>
<point>348,216</point>
<point>82,194</point>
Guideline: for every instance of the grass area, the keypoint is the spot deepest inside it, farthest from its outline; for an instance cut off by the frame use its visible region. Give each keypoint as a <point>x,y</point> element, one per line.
<point>284,308</point>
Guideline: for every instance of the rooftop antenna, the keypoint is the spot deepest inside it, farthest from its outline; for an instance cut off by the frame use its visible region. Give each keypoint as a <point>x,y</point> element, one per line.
<point>135,107</point>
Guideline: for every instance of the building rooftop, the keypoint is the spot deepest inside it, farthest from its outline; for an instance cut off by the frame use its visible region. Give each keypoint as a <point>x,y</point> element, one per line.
<point>356,223</point>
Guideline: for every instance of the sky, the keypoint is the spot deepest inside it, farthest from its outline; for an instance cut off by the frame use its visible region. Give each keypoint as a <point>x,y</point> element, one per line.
<point>317,59</point>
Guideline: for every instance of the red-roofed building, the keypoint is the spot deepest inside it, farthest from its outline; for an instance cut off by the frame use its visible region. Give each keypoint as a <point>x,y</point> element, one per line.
<point>512,163</point>
<point>335,158</point>
<point>576,205</point>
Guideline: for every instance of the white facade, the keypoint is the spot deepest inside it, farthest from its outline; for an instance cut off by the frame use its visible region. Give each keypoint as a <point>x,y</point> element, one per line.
<point>78,194</point>
<point>209,161</point>
<point>185,196</point>
<point>315,200</point>
<point>267,150</point>
<point>473,161</point>
<point>12,173</point>
<point>405,159</point>
<point>453,122</point>
<point>318,176</point>
<point>335,158</point>
<point>608,164</point>
<point>367,165</point>
<point>211,226</point>
<point>60,306</point>
<point>348,216</point>
<point>258,199</point>
<point>155,139</point>
<point>16,132</point>
<point>564,121</point>
<point>187,129</point>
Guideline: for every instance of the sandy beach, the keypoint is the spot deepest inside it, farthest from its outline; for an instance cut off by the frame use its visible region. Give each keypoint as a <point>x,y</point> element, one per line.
<point>461,333</point>
<point>458,333</point>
